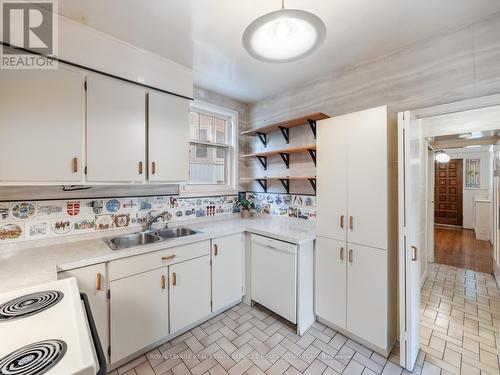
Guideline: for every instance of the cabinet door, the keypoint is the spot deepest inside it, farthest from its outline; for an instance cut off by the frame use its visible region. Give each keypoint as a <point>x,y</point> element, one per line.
<point>42,125</point>
<point>92,281</point>
<point>331,172</point>
<point>189,292</point>
<point>330,262</point>
<point>116,131</point>
<point>227,270</point>
<point>367,177</point>
<point>367,294</point>
<point>138,312</point>
<point>168,134</point>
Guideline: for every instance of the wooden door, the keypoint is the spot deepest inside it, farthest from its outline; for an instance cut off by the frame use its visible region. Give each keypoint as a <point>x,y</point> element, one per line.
<point>330,261</point>
<point>116,131</point>
<point>168,134</point>
<point>367,177</point>
<point>448,190</point>
<point>331,171</point>
<point>227,270</point>
<point>189,292</point>
<point>92,281</point>
<point>367,302</point>
<point>42,125</point>
<point>138,312</point>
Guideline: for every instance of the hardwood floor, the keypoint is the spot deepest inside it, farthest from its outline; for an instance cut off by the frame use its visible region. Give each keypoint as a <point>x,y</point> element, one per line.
<point>460,248</point>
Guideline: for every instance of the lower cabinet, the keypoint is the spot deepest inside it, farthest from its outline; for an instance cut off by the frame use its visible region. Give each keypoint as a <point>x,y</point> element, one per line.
<point>351,289</point>
<point>189,292</point>
<point>92,281</point>
<point>138,312</point>
<point>331,278</point>
<point>227,270</point>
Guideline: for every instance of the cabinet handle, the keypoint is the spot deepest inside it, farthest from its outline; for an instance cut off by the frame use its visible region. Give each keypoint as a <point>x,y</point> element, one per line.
<point>170,257</point>
<point>153,168</point>
<point>99,281</point>
<point>414,253</point>
<point>74,165</point>
<point>342,253</point>
<point>342,221</point>
<point>163,281</point>
<point>350,256</point>
<point>216,249</point>
<point>140,167</point>
<point>174,279</point>
<point>351,223</point>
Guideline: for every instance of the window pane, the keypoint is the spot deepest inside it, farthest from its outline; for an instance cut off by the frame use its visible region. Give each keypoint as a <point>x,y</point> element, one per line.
<point>208,165</point>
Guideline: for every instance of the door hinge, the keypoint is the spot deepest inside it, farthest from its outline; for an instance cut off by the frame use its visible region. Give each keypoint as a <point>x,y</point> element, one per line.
<point>109,293</point>
<point>85,85</point>
<point>211,306</point>
<point>109,351</point>
<point>85,170</point>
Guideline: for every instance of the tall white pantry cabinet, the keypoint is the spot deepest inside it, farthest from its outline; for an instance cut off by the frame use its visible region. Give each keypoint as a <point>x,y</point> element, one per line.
<point>356,227</point>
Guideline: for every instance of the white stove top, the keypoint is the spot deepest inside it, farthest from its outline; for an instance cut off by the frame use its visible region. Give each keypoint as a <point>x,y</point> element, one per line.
<point>44,330</point>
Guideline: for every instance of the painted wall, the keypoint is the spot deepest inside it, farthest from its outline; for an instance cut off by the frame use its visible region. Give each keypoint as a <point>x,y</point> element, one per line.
<point>485,191</point>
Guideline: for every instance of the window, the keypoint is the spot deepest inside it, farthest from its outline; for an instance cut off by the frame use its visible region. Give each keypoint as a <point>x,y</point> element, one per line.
<point>212,148</point>
<point>472,173</point>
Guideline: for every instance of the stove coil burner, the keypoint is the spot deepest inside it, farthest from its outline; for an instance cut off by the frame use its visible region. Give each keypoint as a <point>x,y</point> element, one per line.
<point>33,359</point>
<point>29,304</point>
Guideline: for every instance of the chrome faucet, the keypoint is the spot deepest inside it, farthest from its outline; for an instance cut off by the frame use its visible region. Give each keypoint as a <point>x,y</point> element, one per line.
<point>149,223</point>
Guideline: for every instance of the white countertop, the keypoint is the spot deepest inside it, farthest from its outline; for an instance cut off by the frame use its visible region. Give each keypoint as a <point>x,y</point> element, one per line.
<point>24,265</point>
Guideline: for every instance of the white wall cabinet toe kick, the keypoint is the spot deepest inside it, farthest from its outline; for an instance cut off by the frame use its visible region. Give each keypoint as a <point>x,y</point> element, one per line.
<point>141,301</point>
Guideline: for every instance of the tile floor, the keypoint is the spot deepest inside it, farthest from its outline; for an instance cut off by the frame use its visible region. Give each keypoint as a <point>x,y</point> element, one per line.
<point>459,335</point>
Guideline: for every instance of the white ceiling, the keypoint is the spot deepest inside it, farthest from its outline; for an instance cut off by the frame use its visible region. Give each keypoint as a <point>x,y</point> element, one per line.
<point>206,34</point>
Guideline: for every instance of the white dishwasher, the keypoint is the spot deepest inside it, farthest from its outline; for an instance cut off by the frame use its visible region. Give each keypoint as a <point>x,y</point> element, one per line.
<point>274,276</point>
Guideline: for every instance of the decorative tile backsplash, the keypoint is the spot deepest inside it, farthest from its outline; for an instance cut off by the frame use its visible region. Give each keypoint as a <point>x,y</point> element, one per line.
<point>31,220</point>
<point>291,205</point>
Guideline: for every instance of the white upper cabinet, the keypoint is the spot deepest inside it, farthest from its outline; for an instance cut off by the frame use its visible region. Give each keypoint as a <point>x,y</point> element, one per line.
<point>227,270</point>
<point>42,129</point>
<point>168,137</point>
<point>367,177</point>
<point>331,170</point>
<point>116,131</point>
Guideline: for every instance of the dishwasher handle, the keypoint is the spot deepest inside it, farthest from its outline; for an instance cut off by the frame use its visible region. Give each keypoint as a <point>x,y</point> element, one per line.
<point>277,245</point>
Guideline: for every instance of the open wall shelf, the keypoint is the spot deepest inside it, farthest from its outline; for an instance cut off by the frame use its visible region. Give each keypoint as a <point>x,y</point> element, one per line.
<point>285,181</point>
<point>285,126</point>
<point>284,153</point>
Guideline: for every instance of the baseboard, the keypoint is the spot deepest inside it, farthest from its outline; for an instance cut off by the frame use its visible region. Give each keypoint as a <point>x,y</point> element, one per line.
<point>424,276</point>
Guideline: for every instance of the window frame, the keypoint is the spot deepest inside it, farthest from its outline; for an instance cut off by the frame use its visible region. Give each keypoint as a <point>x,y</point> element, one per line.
<point>230,187</point>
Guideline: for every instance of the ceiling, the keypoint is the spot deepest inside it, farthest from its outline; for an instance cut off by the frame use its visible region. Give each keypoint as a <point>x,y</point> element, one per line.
<point>458,141</point>
<point>206,34</point>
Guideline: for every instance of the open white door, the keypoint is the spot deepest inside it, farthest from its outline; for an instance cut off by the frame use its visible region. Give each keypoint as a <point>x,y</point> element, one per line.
<point>411,169</point>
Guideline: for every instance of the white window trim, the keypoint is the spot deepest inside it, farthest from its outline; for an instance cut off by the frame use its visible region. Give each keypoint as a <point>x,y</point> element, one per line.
<point>231,187</point>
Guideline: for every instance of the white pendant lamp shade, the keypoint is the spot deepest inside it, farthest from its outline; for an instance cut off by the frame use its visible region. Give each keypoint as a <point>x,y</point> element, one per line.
<point>442,157</point>
<point>284,35</point>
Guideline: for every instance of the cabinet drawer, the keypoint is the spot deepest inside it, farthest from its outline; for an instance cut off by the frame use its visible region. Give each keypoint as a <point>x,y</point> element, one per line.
<point>141,263</point>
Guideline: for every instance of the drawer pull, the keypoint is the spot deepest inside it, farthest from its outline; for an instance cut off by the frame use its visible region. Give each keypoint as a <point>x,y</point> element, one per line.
<point>74,165</point>
<point>342,221</point>
<point>153,168</point>
<point>163,281</point>
<point>342,253</point>
<point>99,281</point>
<point>351,223</point>
<point>174,279</point>
<point>350,256</point>
<point>216,249</point>
<point>170,257</point>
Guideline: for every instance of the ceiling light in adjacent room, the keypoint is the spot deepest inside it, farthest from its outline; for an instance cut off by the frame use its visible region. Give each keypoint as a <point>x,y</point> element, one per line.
<point>442,157</point>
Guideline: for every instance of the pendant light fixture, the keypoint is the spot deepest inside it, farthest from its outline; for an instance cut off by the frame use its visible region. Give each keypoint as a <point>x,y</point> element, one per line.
<point>442,157</point>
<point>284,35</point>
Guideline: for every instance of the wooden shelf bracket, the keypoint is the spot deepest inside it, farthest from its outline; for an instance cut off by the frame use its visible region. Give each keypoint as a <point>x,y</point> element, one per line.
<point>286,184</point>
<point>312,152</point>
<point>263,161</point>
<point>312,181</point>
<point>263,138</point>
<point>286,133</point>
<point>286,159</point>
<point>312,124</point>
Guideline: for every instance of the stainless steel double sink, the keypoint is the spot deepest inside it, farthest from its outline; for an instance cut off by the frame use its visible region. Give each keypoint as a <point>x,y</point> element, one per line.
<point>147,237</point>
